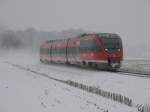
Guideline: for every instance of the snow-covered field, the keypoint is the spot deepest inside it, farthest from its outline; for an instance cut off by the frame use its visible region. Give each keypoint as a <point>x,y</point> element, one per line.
<point>25,91</point>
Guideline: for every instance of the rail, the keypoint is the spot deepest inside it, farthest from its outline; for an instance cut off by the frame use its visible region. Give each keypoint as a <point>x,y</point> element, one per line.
<point>131,72</point>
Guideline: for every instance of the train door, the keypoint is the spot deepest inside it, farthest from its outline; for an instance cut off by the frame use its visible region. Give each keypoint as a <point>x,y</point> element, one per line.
<point>77,51</point>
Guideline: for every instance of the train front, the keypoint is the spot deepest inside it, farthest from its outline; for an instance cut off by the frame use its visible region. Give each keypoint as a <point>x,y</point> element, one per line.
<point>113,50</point>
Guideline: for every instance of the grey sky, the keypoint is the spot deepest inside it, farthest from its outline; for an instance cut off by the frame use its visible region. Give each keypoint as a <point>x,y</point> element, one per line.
<point>129,18</point>
<point>63,14</point>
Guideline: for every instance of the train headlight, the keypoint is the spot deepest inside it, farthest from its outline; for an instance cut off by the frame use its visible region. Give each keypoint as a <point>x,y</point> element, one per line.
<point>118,49</point>
<point>106,49</point>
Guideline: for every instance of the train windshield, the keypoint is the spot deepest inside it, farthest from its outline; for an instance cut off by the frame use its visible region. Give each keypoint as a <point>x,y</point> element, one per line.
<point>111,42</point>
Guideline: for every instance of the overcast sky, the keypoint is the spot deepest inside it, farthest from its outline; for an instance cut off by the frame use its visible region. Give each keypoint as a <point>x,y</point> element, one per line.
<point>129,18</point>
<point>62,14</point>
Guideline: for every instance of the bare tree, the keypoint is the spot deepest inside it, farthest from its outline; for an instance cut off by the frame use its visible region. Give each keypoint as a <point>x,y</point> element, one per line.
<point>9,40</point>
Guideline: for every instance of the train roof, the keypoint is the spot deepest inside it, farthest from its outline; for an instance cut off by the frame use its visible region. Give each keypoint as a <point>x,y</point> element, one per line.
<point>101,34</point>
<point>110,35</point>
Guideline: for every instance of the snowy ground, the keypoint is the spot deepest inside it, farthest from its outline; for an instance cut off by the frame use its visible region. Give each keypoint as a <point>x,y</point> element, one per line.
<point>25,91</point>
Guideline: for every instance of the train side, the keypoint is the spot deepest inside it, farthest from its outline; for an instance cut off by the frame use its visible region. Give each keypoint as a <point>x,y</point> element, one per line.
<point>103,51</point>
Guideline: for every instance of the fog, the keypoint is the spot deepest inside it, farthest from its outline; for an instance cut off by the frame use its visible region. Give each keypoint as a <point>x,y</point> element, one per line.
<point>30,39</point>
<point>50,19</point>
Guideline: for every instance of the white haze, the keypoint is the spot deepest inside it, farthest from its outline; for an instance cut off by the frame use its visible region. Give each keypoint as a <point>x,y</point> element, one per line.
<point>128,18</point>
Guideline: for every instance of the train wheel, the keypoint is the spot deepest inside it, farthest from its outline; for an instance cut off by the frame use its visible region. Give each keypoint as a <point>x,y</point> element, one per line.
<point>95,66</point>
<point>90,64</point>
<point>84,64</point>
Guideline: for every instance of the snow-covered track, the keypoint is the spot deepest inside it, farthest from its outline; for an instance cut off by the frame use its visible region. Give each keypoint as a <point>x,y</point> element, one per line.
<point>121,71</point>
<point>133,73</point>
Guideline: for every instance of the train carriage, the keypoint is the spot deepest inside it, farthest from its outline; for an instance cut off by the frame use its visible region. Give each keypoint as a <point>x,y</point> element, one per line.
<point>102,50</point>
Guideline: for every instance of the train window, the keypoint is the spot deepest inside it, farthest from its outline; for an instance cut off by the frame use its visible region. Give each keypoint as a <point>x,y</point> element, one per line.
<point>58,51</point>
<point>112,43</point>
<point>71,50</point>
<point>62,51</point>
<point>54,51</point>
<point>89,45</point>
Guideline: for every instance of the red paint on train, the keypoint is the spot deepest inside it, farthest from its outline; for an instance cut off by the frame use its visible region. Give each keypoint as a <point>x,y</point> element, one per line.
<point>103,50</point>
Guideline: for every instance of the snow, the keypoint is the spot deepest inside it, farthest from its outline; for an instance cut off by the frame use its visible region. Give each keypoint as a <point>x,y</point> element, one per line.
<point>25,91</point>
<point>136,88</point>
<point>22,91</point>
<point>141,65</point>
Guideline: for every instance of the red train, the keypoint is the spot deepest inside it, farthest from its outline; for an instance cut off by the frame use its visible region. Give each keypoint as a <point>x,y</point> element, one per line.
<point>99,50</point>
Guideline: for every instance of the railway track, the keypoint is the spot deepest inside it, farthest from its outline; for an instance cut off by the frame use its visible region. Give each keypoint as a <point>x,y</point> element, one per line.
<point>133,73</point>
<point>120,71</point>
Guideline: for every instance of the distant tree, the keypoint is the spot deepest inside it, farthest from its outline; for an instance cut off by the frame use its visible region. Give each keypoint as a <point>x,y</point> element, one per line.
<point>32,39</point>
<point>9,40</point>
